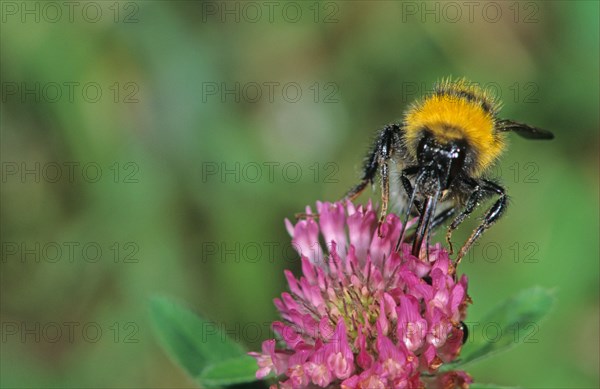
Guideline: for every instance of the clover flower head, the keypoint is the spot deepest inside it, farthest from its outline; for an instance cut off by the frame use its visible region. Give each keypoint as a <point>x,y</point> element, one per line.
<point>364,315</point>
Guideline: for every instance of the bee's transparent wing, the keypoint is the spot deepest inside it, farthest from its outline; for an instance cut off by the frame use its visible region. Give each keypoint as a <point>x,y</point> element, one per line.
<point>398,196</point>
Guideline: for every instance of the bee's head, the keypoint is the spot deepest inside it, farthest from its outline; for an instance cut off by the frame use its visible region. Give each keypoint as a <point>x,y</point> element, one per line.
<point>444,160</point>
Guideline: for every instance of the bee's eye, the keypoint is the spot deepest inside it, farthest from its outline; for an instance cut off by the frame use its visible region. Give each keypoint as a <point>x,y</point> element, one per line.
<point>425,148</point>
<point>422,147</point>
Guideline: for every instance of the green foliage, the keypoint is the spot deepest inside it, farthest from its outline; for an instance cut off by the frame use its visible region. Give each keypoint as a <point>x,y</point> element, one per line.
<point>512,322</point>
<point>229,372</point>
<point>205,352</point>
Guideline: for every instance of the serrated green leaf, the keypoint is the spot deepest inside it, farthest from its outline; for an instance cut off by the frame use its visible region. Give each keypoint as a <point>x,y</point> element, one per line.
<point>513,322</point>
<point>234,371</point>
<point>192,341</point>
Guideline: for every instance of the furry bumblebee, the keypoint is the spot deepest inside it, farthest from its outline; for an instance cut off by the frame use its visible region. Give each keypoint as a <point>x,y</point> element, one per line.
<point>443,148</point>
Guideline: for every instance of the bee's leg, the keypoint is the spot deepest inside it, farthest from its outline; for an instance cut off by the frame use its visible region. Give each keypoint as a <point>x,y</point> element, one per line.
<point>379,158</point>
<point>384,158</point>
<point>304,215</point>
<point>408,188</point>
<point>476,196</point>
<point>437,221</point>
<point>369,172</point>
<point>441,217</point>
<point>411,193</point>
<point>492,215</point>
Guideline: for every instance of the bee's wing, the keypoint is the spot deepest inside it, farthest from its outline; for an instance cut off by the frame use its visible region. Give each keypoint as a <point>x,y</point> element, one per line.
<point>524,130</point>
<point>398,196</point>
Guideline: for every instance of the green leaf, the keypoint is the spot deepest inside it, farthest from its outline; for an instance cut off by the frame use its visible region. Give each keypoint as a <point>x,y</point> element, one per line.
<point>489,386</point>
<point>513,322</point>
<point>193,342</point>
<point>229,372</point>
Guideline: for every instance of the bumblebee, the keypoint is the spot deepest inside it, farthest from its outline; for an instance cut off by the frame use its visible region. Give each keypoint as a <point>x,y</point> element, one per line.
<point>443,148</point>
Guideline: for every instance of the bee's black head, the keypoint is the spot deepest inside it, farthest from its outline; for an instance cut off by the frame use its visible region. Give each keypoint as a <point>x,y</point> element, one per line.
<point>445,161</point>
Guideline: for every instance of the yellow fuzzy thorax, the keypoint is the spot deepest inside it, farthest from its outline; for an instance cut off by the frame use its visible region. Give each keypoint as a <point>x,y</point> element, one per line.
<point>457,110</point>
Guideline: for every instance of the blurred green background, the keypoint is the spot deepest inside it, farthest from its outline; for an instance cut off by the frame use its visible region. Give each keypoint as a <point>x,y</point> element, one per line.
<point>155,147</point>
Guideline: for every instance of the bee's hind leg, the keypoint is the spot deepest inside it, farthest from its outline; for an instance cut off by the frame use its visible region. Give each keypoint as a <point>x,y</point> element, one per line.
<point>493,214</point>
